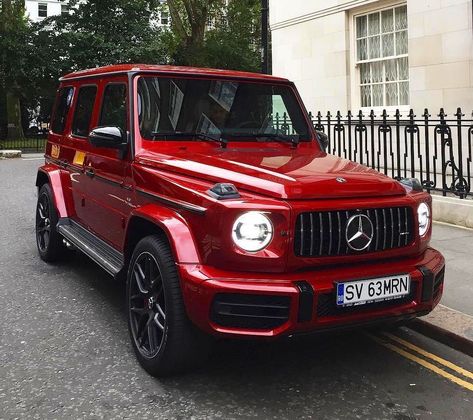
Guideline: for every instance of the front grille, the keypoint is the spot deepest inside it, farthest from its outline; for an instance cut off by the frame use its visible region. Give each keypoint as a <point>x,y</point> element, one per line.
<point>320,234</point>
<point>250,311</point>
<point>327,304</point>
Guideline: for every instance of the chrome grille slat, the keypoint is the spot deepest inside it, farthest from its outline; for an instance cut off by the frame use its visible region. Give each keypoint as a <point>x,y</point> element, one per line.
<point>339,232</point>
<point>399,226</point>
<point>384,229</point>
<point>330,233</point>
<point>311,233</point>
<point>322,234</point>
<point>406,227</point>
<point>377,229</point>
<point>302,234</point>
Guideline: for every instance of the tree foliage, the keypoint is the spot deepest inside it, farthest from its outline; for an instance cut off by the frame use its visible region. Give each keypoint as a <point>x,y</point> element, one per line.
<point>94,33</point>
<point>206,33</point>
<point>216,33</point>
<point>15,53</point>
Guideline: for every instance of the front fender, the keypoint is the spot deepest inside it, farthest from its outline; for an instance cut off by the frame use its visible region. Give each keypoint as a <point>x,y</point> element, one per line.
<point>59,181</point>
<point>176,229</point>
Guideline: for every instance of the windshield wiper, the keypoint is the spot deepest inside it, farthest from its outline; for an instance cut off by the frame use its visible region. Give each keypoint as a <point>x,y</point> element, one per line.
<point>280,137</point>
<point>195,134</point>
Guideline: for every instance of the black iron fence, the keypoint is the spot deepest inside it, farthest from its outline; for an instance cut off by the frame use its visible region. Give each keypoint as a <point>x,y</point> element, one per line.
<point>32,143</point>
<point>437,150</point>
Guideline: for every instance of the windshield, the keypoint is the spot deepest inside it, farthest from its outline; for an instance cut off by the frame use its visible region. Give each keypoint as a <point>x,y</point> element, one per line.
<point>174,109</point>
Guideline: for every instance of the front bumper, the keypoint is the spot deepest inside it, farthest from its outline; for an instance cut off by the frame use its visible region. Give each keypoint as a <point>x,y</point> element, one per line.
<point>268,305</point>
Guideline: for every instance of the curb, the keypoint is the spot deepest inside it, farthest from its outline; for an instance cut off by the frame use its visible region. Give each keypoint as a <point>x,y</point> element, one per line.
<point>10,154</point>
<point>448,326</point>
<point>452,210</point>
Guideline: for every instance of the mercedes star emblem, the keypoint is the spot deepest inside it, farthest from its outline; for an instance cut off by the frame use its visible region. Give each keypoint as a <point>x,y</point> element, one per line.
<point>359,232</point>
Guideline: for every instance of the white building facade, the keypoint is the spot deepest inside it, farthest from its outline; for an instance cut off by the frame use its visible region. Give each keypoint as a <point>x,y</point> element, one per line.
<point>38,10</point>
<point>376,54</point>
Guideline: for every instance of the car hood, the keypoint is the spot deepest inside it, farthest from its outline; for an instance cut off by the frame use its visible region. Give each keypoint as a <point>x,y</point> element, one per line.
<point>301,173</point>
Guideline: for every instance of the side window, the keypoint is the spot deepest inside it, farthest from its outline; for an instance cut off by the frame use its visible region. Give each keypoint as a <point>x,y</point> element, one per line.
<point>63,104</point>
<point>114,107</point>
<point>83,111</point>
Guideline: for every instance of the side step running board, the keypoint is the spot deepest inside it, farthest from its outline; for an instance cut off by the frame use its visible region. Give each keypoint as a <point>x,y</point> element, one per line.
<point>99,251</point>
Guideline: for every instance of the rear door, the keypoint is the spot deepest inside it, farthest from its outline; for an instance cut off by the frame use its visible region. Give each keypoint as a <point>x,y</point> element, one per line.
<point>85,103</point>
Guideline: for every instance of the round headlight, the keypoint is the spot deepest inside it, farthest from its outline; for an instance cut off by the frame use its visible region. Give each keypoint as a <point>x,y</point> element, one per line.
<point>423,215</point>
<point>252,231</point>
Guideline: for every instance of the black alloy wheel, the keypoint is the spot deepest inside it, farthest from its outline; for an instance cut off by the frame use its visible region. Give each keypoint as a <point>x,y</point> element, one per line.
<point>48,240</point>
<point>43,222</point>
<point>147,305</point>
<point>163,338</point>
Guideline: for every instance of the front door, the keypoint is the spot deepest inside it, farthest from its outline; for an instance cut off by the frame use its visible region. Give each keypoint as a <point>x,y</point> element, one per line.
<point>108,187</point>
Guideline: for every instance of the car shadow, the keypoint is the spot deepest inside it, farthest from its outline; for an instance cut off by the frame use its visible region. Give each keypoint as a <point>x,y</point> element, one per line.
<point>249,368</point>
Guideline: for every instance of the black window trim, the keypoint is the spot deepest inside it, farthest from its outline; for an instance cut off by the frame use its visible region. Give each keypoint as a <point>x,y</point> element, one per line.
<point>76,136</point>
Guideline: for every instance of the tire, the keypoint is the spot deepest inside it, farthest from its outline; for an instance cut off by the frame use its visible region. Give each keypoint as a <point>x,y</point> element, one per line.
<point>163,338</point>
<point>48,240</point>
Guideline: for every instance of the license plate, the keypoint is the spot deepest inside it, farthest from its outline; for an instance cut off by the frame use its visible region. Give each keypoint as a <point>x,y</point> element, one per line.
<point>361,292</point>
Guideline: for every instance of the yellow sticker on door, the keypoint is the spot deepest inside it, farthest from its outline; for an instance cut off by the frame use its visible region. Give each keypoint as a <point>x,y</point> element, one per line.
<point>79,158</point>
<point>55,150</point>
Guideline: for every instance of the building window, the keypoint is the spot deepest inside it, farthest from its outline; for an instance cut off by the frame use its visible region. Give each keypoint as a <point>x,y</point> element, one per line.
<point>382,57</point>
<point>42,10</point>
<point>64,9</point>
<point>164,18</point>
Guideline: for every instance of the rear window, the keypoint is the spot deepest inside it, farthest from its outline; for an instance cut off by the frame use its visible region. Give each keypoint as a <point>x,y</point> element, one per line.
<point>63,104</point>
<point>83,111</point>
<point>114,106</point>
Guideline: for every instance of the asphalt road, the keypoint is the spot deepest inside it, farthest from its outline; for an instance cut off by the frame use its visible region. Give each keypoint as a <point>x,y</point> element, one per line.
<point>65,352</point>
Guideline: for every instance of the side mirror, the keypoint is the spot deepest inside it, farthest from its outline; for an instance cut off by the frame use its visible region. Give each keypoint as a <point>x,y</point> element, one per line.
<point>111,137</point>
<point>323,140</point>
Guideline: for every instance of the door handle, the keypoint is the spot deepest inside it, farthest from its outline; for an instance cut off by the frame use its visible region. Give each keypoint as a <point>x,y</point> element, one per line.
<point>90,172</point>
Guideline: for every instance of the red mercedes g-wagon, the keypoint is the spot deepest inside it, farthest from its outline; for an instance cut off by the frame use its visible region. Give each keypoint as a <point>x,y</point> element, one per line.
<point>212,194</point>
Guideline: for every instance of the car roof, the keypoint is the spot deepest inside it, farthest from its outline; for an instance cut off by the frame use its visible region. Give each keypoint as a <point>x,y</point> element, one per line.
<point>167,70</point>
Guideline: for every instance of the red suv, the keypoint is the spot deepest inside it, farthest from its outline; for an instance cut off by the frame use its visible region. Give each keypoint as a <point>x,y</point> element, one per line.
<point>212,194</point>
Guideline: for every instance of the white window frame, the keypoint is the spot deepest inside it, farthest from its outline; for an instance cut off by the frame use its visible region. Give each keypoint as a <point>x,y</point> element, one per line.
<point>355,68</point>
<point>40,5</point>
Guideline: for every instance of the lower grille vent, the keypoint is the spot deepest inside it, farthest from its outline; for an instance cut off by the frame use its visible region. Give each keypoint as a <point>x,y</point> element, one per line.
<point>250,311</point>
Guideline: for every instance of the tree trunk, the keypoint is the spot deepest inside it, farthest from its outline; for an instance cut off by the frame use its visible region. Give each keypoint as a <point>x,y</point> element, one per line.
<point>14,128</point>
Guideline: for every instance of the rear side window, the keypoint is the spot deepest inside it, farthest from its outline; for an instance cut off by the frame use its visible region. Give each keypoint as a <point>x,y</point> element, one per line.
<point>114,106</point>
<point>63,104</point>
<point>83,111</point>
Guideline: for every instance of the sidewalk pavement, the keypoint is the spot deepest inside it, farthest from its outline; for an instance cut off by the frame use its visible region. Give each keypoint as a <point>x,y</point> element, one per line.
<point>451,322</point>
<point>456,244</point>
